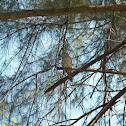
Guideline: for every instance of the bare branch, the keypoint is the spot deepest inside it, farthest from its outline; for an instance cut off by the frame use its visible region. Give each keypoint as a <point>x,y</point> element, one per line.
<point>108,106</point>
<point>90,112</point>
<point>96,71</point>
<point>62,11</point>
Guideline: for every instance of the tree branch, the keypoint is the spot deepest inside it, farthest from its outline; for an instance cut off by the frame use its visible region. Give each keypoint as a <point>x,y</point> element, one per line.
<point>108,106</point>
<point>95,71</point>
<point>62,11</point>
<point>91,112</point>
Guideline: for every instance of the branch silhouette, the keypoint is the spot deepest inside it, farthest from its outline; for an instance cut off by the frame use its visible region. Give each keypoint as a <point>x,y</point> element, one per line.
<point>108,106</point>
<point>91,112</point>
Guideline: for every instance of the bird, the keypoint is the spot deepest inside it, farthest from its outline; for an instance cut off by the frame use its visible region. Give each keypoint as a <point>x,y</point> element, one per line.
<point>67,64</point>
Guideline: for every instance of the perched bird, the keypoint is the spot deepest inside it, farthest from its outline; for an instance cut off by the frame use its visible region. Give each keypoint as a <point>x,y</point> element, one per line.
<point>67,64</point>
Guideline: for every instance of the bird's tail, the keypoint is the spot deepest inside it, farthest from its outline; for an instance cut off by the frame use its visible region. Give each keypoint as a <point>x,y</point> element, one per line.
<point>69,75</point>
